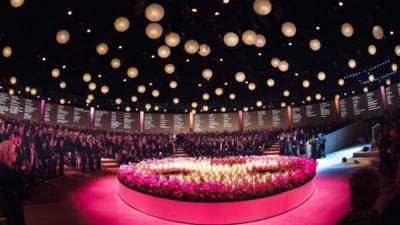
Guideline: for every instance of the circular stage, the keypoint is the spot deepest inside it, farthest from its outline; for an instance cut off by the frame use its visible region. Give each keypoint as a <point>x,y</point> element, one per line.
<point>253,188</point>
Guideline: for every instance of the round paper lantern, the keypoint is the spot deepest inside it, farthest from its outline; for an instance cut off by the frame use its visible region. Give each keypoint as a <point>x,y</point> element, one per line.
<point>13,80</point>
<point>321,76</point>
<point>17,3</point>
<point>62,36</point>
<point>104,89</point>
<point>371,78</point>
<point>365,89</point>
<point>134,98</point>
<point>90,97</point>
<point>283,104</point>
<point>206,96</point>
<point>318,96</point>
<point>115,63</point>
<point>55,72</point>
<point>194,104</point>
<point>87,77</point>
<point>260,41</point>
<point>270,82</point>
<point>251,86</point>
<point>394,67</point>
<point>223,109</point>
<point>156,107</point>
<point>397,50</point>
<point>63,84</point>
<point>240,77</point>
<point>172,39</point>
<point>173,84</point>
<point>288,29</point>
<point>132,72</point>
<point>33,91</point>
<point>372,49</point>
<point>102,49</point>
<point>262,7</point>
<point>341,82</point>
<point>207,74</point>
<point>163,51</point>
<point>92,86</point>
<point>27,89</point>
<point>175,100</point>
<point>147,106</point>
<point>155,93</point>
<point>169,68</point>
<point>308,98</point>
<point>306,83</point>
<point>141,89</point>
<point>347,30</point>
<point>7,51</point>
<point>388,82</point>
<point>377,32</point>
<point>286,93</point>
<point>283,66</point>
<point>204,50</point>
<point>191,46</point>
<point>205,108</point>
<point>154,12</point>
<point>249,37</point>
<point>118,101</point>
<point>259,103</point>
<point>154,30</point>
<point>315,44</point>
<point>219,91</point>
<point>62,101</point>
<point>337,97</point>
<point>352,63</point>
<point>232,96</point>
<point>11,91</point>
<point>121,24</point>
<point>231,39</point>
<point>127,108</point>
<point>275,62</point>
<point>245,108</point>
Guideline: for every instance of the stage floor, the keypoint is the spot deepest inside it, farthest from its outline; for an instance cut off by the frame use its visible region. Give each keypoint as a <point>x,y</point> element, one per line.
<point>94,200</point>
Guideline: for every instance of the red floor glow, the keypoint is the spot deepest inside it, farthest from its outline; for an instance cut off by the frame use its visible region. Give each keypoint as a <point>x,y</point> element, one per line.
<point>99,204</point>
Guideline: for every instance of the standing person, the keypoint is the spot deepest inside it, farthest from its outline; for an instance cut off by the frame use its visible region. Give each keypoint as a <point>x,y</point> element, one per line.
<point>11,186</point>
<point>60,150</point>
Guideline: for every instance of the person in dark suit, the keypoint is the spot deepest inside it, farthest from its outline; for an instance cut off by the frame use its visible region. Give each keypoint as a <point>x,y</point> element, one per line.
<point>11,186</point>
<point>61,151</point>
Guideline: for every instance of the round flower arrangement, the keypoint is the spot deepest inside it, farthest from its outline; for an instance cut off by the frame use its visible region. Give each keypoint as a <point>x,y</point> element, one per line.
<point>216,180</point>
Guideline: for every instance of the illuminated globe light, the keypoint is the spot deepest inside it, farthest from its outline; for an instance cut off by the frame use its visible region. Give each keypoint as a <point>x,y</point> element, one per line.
<point>121,24</point>
<point>337,96</point>
<point>88,101</point>
<point>283,104</point>
<point>388,82</point>
<point>347,30</point>
<point>90,97</point>
<point>134,98</point>
<point>365,89</point>
<point>7,51</point>
<point>62,36</point>
<point>260,41</point>
<point>17,3</point>
<point>104,89</point>
<point>275,62</point>
<point>231,39</point>
<point>259,103</point>
<point>286,93</point>
<point>219,91</point>
<point>141,89</point>
<point>397,50</point>
<point>164,51</point>
<point>154,12</point>
<point>194,105</point>
<point>11,91</point>
<point>173,84</point>
<point>132,72</point>
<point>249,37</point>
<point>87,77</point>
<point>288,29</point>
<point>127,109</point>
<point>156,107</point>
<point>92,86</point>
<point>102,49</point>
<point>318,96</point>
<point>62,101</point>
<point>115,63</point>
<point>13,80</point>
<point>245,108</point>
<point>240,77</point>
<point>27,89</point>
<point>372,49</point>
<point>321,76</point>
<point>262,7</point>
<point>341,82</point>
<point>175,100</point>
<point>315,44</point>
<point>33,91</point>
<point>283,66</point>
<point>394,67</point>
<point>352,63</point>
<point>154,30</point>
<point>118,101</point>
<point>205,108</point>
<point>169,68</point>
<point>223,109</point>
<point>232,96</point>
<point>251,86</point>
<point>155,93</point>
<point>371,78</point>
<point>172,39</point>
<point>308,98</point>
<point>377,32</point>
<point>270,82</point>
<point>147,106</point>
<point>204,50</point>
<point>63,84</point>
<point>206,96</point>
<point>191,46</point>
<point>306,83</point>
<point>207,74</point>
<point>193,111</point>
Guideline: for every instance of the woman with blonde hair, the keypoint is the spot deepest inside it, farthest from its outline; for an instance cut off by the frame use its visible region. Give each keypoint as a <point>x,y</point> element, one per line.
<point>11,186</point>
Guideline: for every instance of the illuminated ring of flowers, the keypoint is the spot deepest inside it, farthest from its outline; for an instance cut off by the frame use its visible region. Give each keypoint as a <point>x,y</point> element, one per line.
<point>218,180</point>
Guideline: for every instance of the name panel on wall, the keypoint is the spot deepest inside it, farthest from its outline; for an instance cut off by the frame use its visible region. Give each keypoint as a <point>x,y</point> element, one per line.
<point>375,106</point>
<point>18,107</point>
<point>346,108</point>
<point>166,122</point>
<point>393,96</point>
<point>257,120</point>
<point>102,119</point>
<point>216,122</point>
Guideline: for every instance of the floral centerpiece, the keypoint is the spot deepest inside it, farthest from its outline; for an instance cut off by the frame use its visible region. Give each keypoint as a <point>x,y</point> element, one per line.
<point>215,180</point>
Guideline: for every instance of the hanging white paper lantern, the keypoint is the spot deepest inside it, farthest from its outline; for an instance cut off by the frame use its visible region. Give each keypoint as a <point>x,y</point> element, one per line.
<point>132,72</point>
<point>13,80</point>
<point>87,77</point>
<point>115,63</point>
<point>347,30</point>
<point>283,104</point>
<point>141,89</point>
<point>259,103</point>
<point>206,96</point>
<point>365,89</point>
<point>173,84</point>
<point>118,101</point>
<point>251,86</point>
<point>352,63</point>
<point>155,93</point>
<point>232,96</point>
<point>371,78</point>
<point>270,82</point>
<point>275,62</point>
<point>288,29</point>
<point>194,105</point>
<point>27,89</point>
<point>169,68</point>
<point>154,30</point>
<point>127,109</point>
<point>134,98</point>
<point>17,3</point>
<point>90,97</point>
<point>377,32</point>
<point>121,24</point>
<point>104,89</point>
<point>205,108</point>
<point>204,50</point>
<point>283,66</point>
<point>175,100</point>
<point>397,50</point>
<point>147,106</point>
<point>337,96</point>
<point>55,72</point>
<point>372,49</point>
<point>249,37</point>
<point>240,77</point>
<point>62,36</point>
<point>308,98</point>
<point>341,82</point>
<point>321,76</point>
<point>394,67</point>
<point>245,109</point>
<point>102,49</point>
<point>231,39</point>
<point>7,51</point>
<point>172,39</point>
<point>315,44</point>
<point>262,7</point>
<point>33,91</point>
<point>63,84</point>
<point>286,93</point>
<point>207,74</point>
<point>191,46</point>
<point>92,86</point>
<point>219,91</point>
<point>223,109</point>
<point>163,51</point>
<point>260,41</point>
<point>388,82</point>
<point>306,83</point>
<point>156,107</point>
<point>154,12</point>
<point>11,91</point>
<point>318,96</point>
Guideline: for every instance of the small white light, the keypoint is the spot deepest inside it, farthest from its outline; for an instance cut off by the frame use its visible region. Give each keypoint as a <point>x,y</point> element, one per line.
<point>69,12</point>
<point>226,1</point>
<point>64,66</point>
<point>226,83</point>
<point>296,74</point>
<point>99,76</point>
<point>259,54</point>
<point>88,31</point>
<point>44,59</point>
<point>290,43</point>
<point>120,47</point>
<point>199,85</point>
<point>124,80</point>
<point>194,10</point>
<point>187,60</point>
<point>150,84</point>
<point>391,32</point>
<point>317,28</point>
<point>216,13</point>
<point>221,59</point>
<point>152,56</point>
<point>340,4</point>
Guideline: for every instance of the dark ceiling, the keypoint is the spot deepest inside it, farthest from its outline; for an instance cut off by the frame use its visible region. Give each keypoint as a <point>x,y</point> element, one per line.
<point>30,31</point>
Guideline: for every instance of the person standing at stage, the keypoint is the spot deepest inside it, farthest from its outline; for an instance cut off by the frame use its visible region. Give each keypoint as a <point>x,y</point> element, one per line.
<point>60,150</point>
